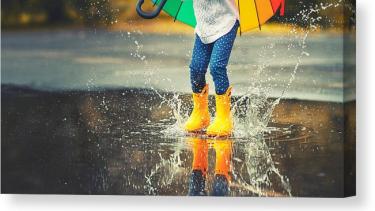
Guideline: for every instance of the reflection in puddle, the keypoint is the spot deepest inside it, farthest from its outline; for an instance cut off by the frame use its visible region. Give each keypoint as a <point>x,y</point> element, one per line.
<point>228,166</point>
<point>101,142</point>
<point>222,169</point>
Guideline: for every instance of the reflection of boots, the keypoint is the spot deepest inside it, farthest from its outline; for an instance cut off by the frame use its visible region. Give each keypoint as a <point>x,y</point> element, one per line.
<point>223,123</point>
<point>197,184</point>
<point>220,186</point>
<point>223,151</point>
<point>200,117</point>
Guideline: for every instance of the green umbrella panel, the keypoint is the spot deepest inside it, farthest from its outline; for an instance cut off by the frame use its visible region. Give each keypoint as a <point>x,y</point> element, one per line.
<point>181,10</point>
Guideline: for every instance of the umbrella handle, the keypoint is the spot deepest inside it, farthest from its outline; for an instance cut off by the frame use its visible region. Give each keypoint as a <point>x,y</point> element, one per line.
<point>152,14</point>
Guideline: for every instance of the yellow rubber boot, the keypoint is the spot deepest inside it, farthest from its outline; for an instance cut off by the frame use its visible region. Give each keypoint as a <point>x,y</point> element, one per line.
<point>223,123</point>
<point>200,117</point>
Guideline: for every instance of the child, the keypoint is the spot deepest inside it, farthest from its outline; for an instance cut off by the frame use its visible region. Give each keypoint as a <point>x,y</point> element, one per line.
<point>216,30</point>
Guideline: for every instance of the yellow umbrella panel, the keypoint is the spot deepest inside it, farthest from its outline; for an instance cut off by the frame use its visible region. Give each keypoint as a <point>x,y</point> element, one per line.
<point>254,13</point>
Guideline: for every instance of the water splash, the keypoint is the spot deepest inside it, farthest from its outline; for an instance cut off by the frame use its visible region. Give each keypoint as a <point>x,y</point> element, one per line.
<point>165,172</point>
<point>253,110</point>
<point>256,171</point>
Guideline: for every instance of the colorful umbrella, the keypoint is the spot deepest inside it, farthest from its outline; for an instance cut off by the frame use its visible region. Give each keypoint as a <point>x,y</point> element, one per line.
<point>253,13</point>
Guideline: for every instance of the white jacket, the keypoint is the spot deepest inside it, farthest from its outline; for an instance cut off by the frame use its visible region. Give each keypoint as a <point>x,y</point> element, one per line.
<point>215,18</point>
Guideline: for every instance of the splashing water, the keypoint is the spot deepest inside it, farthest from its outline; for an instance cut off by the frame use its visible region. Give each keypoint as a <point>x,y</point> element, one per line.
<point>254,173</point>
<point>166,171</point>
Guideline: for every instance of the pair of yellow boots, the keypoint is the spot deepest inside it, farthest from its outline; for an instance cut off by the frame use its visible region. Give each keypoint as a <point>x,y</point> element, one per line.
<point>200,117</point>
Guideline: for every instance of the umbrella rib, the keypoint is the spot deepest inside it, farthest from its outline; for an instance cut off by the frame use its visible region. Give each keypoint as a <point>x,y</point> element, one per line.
<point>156,1</point>
<point>271,4</point>
<point>178,11</point>
<point>239,14</point>
<point>256,8</point>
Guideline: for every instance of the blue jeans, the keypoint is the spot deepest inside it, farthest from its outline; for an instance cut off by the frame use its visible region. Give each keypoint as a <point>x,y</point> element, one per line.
<point>216,55</point>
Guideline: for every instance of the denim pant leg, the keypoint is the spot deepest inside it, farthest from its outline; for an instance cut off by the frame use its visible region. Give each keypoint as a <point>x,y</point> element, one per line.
<point>199,64</point>
<point>220,58</point>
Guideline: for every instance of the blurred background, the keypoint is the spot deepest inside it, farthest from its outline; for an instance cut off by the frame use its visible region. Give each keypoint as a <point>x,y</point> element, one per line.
<point>70,44</point>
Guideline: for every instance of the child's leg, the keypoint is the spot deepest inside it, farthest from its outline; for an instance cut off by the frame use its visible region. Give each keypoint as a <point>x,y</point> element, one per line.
<point>219,60</point>
<point>199,64</point>
<point>223,123</point>
<point>200,116</point>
